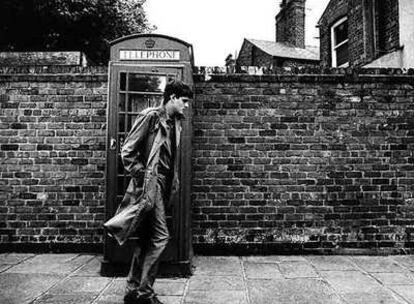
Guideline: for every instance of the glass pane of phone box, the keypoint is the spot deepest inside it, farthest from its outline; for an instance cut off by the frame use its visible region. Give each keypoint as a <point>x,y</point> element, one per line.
<point>146,83</point>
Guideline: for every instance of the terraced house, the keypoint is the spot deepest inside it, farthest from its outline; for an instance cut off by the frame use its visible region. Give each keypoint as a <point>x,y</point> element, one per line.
<point>367,33</point>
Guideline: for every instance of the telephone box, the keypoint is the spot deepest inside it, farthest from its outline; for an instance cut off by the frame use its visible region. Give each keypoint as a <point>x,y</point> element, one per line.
<point>140,66</point>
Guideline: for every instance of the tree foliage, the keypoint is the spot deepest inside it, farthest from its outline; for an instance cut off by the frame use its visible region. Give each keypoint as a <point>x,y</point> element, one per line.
<point>69,25</point>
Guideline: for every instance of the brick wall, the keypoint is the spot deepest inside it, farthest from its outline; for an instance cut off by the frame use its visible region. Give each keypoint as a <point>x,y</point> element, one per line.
<point>52,146</point>
<point>304,163</point>
<point>285,162</point>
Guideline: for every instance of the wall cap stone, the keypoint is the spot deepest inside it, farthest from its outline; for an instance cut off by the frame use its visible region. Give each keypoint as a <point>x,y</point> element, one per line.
<point>71,58</point>
<point>54,73</point>
<point>318,75</point>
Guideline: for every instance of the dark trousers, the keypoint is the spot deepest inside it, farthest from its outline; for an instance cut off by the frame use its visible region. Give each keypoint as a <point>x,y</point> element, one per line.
<point>147,252</point>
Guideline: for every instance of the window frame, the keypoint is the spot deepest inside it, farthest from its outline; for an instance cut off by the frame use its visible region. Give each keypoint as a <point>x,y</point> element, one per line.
<point>335,47</point>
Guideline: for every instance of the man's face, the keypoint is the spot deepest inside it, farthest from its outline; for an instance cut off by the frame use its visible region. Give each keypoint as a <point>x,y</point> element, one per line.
<point>179,104</point>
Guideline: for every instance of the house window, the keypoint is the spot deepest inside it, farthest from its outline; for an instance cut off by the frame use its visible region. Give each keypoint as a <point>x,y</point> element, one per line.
<point>339,35</point>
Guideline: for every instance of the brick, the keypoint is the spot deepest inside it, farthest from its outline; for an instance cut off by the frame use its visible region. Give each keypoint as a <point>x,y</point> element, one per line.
<point>72,189</point>
<point>44,147</point>
<point>23,175</point>
<point>289,119</point>
<point>278,126</point>
<point>18,126</point>
<point>380,181</point>
<point>90,189</point>
<point>9,147</point>
<point>28,196</point>
<point>79,161</point>
<point>235,168</point>
<point>336,175</point>
<point>237,140</point>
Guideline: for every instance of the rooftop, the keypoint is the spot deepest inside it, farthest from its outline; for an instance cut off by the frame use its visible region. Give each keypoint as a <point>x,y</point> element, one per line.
<point>278,49</point>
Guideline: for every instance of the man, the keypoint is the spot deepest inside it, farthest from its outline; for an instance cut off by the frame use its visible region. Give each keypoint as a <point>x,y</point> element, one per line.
<point>149,155</point>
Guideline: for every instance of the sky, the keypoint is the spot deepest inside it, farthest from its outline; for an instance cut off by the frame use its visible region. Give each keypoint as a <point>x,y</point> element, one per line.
<point>217,28</point>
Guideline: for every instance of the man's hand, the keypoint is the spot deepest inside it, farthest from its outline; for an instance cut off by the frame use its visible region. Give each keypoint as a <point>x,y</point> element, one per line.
<point>175,183</point>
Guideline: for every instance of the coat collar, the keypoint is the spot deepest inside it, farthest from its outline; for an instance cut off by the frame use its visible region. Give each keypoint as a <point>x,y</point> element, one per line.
<point>160,137</point>
<point>167,121</point>
<point>164,118</point>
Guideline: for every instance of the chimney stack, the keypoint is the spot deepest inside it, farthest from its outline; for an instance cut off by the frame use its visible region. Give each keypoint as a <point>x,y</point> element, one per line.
<point>290,23</point>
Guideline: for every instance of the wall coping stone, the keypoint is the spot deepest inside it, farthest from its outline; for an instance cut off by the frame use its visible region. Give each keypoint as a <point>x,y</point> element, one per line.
<point>68,58</point>
<point>54,74</point>
<point>298,75</point>
<point>319,75</point>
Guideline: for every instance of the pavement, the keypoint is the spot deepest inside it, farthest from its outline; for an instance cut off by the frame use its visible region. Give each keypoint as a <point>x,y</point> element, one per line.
<point>75,278</point>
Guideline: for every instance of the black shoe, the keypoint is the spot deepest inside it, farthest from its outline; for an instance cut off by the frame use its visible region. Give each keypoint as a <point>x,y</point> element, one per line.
<point>131,297</point>
<point>154,300</point>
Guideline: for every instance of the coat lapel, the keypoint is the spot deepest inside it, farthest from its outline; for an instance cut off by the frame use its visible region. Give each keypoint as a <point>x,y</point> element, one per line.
<point>155,147</point>
<point>177,132</point>
<point>161,135</point>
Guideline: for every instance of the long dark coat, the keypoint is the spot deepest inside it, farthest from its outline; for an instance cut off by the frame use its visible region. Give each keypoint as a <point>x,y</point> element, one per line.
<point>140,156</point>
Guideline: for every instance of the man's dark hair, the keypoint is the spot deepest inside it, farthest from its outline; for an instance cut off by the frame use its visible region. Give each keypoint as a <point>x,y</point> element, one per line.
<point>178,89</point>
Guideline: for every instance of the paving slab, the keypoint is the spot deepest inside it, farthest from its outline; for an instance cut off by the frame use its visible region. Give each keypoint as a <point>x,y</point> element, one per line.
<point>405,260</point>
<point>290,258</point>
<point>328,262</point>
<point>405,291</point>
<point>119,299</point>
<point>350,281</point>
<point>297,269</point>
<point>55,257</point>
<point>74,285</point>
<point>263,259</point>
<point>4,267</point>
<point>216,283</point>
<point>262,271</point>
<point>296,291</point>
<point>75,278</point>
<point>91,268</point>
<point>169,290</point>
<point>380,296</point>
<point>170,287</point>
<point>86,298</point>
<point>19,288</point>
<point>217,265</point>
<point>211,297</point>
<point>377,264</point>
<point>113,293</point>
<point>273,258</point>
<point>394,278</point>
<point>109,299</point>
<point>51,264</point>
<point>14,258</point>
<point>169,299</point>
